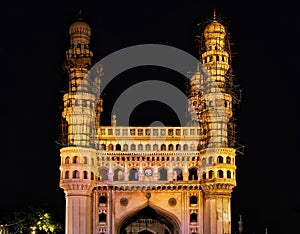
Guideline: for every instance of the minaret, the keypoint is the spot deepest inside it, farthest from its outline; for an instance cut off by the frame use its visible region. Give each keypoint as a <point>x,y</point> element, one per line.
<point>240,222</point>
<point>81,108</point>
<point>210,106</point>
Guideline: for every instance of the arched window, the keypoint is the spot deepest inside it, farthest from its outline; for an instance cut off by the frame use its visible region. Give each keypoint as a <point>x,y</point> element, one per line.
<point>103,174</point>
<point>133,175</point>
<point>67,175</point>
<point>75,159</point>
<point>86,161</point>
<point>210,174</point>
<point>140,147</point>
<point>92,175</point>
<point>220,159</point>
<point>178,174</point>
<point>204,175</point>
<point>193,200</point>
<point>199,147</point>
<point>75,174</point>
<point>110,147</point>
<point>132,147</point>
<point>103,147</point>
<point>163,147</point>
<point>228,174</point>
<point>192,147</point>
<point>193,217</point>
<point>163,174</point>
<point>118,175</point>
<point>210,160</point>
<point>193,174</point>
<point>220,174</point>
<point>118,147</point>
<point>155,147</point>
<point>102,218</point>
<point>170,147</point>
<point>148,147</point>
<point>185,147</point>
<point>102,200</point>
<point>85,175</point>
<point>92,161</point>
<point>67,160</point>
<point>204,161</point>
<point>125,147</point>
<point>228,160</point>
<point>178,147</point>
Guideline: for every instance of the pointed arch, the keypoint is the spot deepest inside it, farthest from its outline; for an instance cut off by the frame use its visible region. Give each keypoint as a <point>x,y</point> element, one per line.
<point>118,174</point>
<point>163,174</point>
<point>158,213</point>
<point>133,175</point>
<point>118,147</point>
<point>178,174</point>
<point>103,174</point>
<point>193,174</point>
<point>67,160</point>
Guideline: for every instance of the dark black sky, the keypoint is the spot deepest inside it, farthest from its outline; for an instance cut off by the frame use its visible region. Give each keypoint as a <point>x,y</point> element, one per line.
<point>265,37</point>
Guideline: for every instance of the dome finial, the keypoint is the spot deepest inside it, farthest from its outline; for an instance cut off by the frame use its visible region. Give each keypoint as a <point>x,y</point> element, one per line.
<point>80,14</point>
<point>214,14</point>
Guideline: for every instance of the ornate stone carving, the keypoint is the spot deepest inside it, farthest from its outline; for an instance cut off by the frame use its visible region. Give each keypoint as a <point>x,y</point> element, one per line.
<point>124,201</point>
<point>172,201</point>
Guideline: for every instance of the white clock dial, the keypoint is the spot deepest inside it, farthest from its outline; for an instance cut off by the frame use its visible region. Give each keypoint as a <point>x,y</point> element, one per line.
<point>148,172</point>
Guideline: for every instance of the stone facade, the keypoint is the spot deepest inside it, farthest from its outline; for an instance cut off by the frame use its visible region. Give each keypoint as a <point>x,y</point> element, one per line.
<point>162,180</point>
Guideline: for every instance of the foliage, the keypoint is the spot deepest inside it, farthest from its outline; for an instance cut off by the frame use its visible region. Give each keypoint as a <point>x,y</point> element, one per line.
<point>32,220</point>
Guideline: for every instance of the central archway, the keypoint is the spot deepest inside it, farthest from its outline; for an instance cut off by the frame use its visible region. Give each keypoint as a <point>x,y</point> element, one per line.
<point>149,221</point>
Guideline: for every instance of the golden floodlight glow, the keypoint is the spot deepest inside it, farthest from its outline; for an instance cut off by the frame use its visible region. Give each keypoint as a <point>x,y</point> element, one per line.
<point>156,179</point>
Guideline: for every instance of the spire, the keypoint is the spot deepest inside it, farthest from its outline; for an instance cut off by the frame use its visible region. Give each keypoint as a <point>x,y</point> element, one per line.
<point>80,14</point>
<point>240,222</point>
<point>214,14</point>
<point>266,230</point>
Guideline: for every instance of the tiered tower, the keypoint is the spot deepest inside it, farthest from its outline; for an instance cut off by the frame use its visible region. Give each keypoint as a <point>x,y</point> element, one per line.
<point>79,130</point>
<point>211,101</point>
<point>162,180</point>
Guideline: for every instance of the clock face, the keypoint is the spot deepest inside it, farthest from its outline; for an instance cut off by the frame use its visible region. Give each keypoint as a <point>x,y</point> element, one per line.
<point>148,172</point>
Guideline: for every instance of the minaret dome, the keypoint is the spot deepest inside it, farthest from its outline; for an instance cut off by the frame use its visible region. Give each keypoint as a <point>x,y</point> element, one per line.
<point>214,34</point>
<point>80,33</point>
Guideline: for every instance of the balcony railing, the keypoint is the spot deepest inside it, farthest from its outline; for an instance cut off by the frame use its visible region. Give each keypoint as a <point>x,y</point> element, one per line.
<point>160,132</point>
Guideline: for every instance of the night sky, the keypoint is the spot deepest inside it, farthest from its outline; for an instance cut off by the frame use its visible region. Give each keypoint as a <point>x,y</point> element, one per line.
<point>266,58</point>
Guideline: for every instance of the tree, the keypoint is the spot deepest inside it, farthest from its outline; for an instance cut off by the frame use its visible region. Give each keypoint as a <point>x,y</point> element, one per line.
<point>32,220</point>
<point>46,223</point>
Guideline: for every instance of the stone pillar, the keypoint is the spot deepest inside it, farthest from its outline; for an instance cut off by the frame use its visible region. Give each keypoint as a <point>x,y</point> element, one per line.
<point>78,213</point>
<point>217,219</point>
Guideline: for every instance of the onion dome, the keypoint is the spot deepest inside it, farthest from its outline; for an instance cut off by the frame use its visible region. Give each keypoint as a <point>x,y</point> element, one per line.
<point>80,32</point>
<point>214,34</point>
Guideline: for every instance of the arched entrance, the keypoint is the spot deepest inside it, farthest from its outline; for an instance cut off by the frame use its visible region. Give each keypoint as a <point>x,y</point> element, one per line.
<point>149,221</point>
<point>145,232</point>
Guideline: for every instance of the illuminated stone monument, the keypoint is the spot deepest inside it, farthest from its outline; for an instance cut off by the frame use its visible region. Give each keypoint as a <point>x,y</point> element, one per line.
<point>162,180</point>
